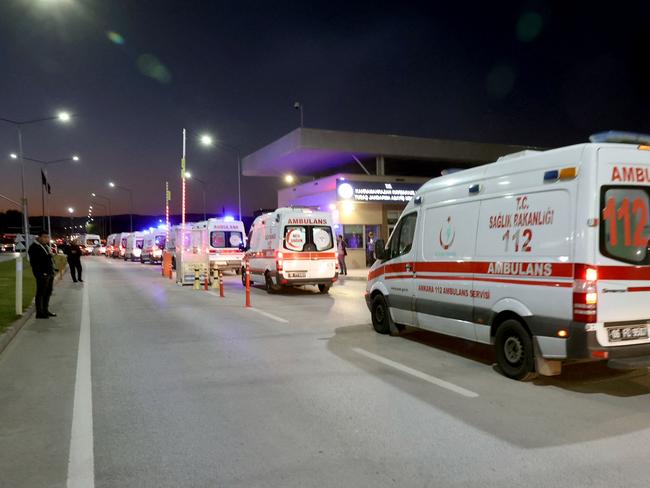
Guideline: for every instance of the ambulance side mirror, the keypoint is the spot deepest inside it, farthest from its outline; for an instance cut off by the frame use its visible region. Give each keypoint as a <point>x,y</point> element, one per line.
<point>380,250</point>
<point>244,247</point>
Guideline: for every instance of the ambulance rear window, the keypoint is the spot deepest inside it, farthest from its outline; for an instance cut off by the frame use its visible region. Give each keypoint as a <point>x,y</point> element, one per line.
<point>308,238</point>
<point>625,225</point>
<point>220,238</point>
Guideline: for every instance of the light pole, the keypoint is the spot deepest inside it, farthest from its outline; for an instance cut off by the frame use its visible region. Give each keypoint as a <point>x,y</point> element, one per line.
<point>18,124</point>
<point>298,106</point>
<point>44,165</point>
<point>113,185</point>
<point>96,204</point>
<point>110,218</point>
<point>71,212</point>
<point>189,176</point>
<point>235,150</point>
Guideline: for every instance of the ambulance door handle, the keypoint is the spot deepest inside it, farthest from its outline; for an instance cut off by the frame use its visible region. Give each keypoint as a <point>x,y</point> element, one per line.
<point>409,267</point>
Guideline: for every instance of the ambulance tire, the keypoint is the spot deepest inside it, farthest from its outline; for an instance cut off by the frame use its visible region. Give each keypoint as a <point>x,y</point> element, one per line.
<point>380,313</point>
<point>243,277</point>
<point>174,263</point>
<point>514,351</point>
<point>270,287</point>
<point>324,288</point>
<point>237,272</point>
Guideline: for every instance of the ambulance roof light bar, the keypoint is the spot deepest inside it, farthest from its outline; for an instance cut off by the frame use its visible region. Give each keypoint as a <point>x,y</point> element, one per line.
<point>621,137</point>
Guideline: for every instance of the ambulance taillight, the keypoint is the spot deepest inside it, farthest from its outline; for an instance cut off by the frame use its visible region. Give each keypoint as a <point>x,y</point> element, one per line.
<point>279,260</point>
<point>585,294</point>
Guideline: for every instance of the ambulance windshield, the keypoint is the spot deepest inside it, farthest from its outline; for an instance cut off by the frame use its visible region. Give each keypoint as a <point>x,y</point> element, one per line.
<point>625,225</point>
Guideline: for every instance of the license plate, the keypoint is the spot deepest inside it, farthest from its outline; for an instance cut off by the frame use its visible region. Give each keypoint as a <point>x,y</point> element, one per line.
<point>297,274</point>
<point>618,334</point>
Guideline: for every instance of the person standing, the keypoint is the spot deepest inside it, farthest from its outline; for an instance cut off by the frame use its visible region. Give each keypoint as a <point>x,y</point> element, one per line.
<point>342,252</point>
<point>74,260</point>
<point>40,259</point>
<point>370,249</point>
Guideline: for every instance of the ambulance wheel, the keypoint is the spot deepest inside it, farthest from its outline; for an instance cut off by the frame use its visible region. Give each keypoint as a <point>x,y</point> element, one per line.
<point>238,271</point>
<point>242,272</point>
<point>324,288</point>
<point>514,351</point>
<point>380,315</point>
<point>173,263</point>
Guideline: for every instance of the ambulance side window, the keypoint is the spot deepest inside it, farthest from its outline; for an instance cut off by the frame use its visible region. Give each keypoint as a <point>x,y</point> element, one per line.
<point>401,241</point>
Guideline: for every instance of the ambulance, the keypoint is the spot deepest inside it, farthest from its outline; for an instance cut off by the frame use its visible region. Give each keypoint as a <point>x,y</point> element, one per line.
<point>226,241</point>
<point>292,247</point>
<point>88,243</point>
<point>134,243</point>
<point>152,247</point>
<point>120,247</point>
<point>543,254</point>
<point>111,244</point>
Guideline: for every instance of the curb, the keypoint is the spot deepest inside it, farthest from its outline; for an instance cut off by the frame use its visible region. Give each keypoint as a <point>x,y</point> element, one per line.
<point>12,331</point>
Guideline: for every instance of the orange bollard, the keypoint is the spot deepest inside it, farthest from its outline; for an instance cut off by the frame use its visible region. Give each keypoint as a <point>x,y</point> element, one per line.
<point>206,281</point>
<point>221,294</point>
<point>248,284</point>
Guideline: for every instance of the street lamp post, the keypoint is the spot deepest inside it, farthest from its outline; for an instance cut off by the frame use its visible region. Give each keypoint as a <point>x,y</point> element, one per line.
<point>113,185</point>
<point>298,106</point>
<point>110,217</point>
<point>103,219</point>
<point>44,165</point>
<point>19,124</point>
<point>189,176</point>
<point>235,150</point>
<point>71,212</point>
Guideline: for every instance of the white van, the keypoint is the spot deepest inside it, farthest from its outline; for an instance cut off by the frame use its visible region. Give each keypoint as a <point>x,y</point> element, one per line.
<point>111,244</point>
<point>152,247</point>
<point>543,254</point>
<point>120,247</point>
<point>89,242</point>
<point>292,247</point>
<point>226,241</point>
<point>134,243</point>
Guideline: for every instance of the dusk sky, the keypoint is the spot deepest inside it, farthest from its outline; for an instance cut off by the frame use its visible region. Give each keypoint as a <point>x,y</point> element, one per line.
<point>136,72</point>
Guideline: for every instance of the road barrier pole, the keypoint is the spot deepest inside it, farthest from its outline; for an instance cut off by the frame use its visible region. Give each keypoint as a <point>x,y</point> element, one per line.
<point>221,294</point>
<point>248,284</point>
<point>206,279</point>
<point>19,284</point>
<point>197,278</point>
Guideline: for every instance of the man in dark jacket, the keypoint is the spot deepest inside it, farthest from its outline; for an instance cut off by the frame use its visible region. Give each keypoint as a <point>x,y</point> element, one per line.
<point>40,260</point>
<point>74,260</point>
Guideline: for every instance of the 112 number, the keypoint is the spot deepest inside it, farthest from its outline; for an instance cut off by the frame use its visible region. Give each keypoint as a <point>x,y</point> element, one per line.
<point>527,236</point>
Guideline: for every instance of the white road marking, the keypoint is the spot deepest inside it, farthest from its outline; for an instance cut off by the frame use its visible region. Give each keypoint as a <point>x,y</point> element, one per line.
<point>269,315</point>
<point>418,374</point>
<point>81,461</point>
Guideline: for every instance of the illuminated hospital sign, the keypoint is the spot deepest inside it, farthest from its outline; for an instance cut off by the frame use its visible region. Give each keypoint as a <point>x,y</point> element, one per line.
<point>372,191</point>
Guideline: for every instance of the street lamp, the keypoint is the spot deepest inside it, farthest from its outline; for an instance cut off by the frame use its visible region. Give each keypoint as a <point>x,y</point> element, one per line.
<point>289,179</point>
<point>189,176</point>
<point>110,218</point>
<point>113,185</point>
<point>44,165</point>
<point>19,124</point>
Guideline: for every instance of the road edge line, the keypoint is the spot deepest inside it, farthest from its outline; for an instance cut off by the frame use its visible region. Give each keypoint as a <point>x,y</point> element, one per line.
<point>81,459</point>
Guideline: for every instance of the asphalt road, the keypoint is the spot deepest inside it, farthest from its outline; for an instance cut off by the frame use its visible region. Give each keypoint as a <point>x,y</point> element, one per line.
<point>187,389</point>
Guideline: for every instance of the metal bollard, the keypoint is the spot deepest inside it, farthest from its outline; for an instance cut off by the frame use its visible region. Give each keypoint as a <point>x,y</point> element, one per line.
<point>19,284</point>
<point>248,284</point>
<point>197,278</point>
<point>215,277</point>
<point>221,294</point>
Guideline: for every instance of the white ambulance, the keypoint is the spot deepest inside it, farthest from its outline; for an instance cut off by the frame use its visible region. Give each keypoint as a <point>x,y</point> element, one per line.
<point>543,254</point>
<point>152,246</point>
<point>292,247</point>
<point>89,242</point>
<point>134,243</point>
<point>226,241</point>
<point>120,248</point>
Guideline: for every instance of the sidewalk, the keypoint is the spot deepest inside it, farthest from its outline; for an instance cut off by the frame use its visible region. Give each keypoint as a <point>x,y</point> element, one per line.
<point>355,275</point>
